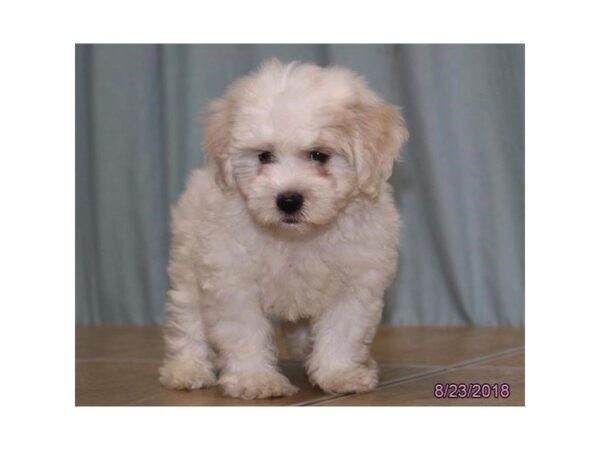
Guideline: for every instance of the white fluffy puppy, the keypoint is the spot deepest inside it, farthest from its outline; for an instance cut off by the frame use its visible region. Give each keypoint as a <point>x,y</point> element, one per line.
<point>291,218</point>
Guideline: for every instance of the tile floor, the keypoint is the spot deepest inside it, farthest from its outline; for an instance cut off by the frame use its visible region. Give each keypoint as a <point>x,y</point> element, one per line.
<point>118,366</point>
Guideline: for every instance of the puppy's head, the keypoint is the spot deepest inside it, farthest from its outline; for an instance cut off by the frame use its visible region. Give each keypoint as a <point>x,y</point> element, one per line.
<point>299,141</point>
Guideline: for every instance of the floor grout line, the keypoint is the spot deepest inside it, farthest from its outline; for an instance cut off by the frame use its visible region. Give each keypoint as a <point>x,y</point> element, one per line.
<point>435,370</point>
<point>402,380</point>
<point>399,380</point>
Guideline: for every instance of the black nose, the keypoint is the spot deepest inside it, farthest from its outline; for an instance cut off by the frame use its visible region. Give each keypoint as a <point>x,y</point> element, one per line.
<point>289,202</point>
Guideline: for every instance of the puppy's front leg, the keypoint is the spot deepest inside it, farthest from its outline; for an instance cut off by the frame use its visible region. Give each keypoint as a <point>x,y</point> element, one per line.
<point>243,337</point>
<point>188,363</point>
<point>340,361</point>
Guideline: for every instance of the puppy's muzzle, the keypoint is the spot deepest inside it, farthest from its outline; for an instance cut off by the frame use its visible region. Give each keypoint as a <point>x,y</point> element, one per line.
<point>289,202</point>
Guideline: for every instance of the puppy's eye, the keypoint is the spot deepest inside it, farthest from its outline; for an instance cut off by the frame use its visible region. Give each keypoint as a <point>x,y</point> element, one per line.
<point>318,156</point>
<point>266,157</point>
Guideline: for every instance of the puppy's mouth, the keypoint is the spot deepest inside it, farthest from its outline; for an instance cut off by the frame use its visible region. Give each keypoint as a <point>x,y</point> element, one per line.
<point>291,220</point>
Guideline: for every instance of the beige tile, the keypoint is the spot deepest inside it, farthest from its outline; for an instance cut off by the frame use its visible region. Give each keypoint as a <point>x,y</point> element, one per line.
<point>293,370</point>
<point>113,383</point>
<point>388,374</point>
<point>118,365</point>
<point>117,383</point>
<point>442,346</point>
<point>420,392</point>
<point>404,345</point>
<point>212,397</point>
<point>119,343</point>
<point>130,342</point>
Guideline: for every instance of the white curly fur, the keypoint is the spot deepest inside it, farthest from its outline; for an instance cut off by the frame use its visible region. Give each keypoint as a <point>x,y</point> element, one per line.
<point>235,264</point>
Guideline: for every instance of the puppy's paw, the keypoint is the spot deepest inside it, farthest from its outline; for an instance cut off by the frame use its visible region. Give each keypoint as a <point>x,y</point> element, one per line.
<point>256,385</point>
<point>345,381</point>
<point>186,374</point>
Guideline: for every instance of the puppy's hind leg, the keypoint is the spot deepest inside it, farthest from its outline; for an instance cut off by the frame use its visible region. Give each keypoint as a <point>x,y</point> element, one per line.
<point>188,361</point>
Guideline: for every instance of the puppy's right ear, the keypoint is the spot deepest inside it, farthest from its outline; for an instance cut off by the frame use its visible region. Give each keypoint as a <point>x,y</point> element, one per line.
<point>216,138</point>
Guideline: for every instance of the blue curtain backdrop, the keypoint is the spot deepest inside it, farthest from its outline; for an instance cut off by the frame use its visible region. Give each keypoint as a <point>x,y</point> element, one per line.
<point>460,187</point>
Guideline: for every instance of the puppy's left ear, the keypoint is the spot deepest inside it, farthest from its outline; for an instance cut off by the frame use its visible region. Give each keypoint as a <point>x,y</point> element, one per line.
<point>217,140</point>
<point>381,132</point>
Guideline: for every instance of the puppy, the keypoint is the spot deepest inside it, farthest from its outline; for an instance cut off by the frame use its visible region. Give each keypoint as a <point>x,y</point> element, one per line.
<point>291,218</point>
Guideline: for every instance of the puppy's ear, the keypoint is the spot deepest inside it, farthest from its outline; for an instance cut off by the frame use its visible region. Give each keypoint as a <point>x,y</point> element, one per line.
<point>216,138</point>
<point>381,131</point>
